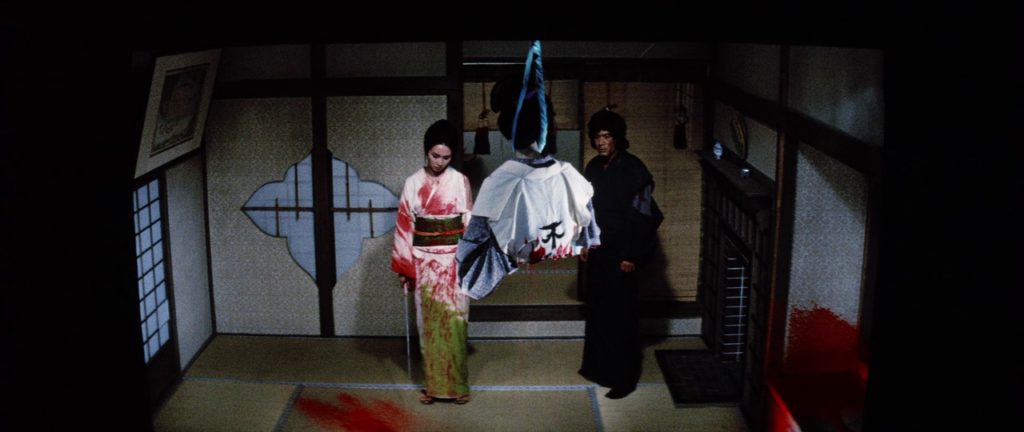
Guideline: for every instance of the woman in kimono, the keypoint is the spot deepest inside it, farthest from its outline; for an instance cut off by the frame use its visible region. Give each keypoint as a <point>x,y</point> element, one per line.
<point>432,211</point>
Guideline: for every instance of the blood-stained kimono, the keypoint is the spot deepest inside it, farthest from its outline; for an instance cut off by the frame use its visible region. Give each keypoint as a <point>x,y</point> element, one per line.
<point>432,214</point>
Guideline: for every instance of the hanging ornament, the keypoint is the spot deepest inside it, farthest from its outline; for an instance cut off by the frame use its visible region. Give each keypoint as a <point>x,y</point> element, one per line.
<point>679,136</point>
<point>482,143</point>
<point>739,135</point>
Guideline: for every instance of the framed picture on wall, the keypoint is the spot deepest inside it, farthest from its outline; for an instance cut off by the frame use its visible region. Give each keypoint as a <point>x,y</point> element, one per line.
<point>179,97</point>
<point>739,134</point>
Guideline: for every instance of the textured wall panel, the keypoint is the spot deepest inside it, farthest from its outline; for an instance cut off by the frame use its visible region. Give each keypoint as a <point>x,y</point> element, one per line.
<point>841,87</point>
<point>762,142</point>
<point>258,288</point>
<point>828,236</point>
<point>186,222</point>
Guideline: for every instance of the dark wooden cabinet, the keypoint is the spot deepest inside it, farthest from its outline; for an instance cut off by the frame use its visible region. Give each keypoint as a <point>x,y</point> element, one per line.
<point>735,269</point>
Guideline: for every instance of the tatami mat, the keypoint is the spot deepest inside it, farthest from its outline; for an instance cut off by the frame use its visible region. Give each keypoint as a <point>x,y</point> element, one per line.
<point>268,383</point>
<point>650,408</point>
<point>326,360</point>
<point>263,358</point>
<point>199,405</point>
<point>336,409</point>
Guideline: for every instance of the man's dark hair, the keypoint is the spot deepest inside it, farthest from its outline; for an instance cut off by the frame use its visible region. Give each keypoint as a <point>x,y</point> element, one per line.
<point>611,122</point>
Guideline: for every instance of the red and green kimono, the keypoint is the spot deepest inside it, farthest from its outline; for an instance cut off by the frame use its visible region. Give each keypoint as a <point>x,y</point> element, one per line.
<point>432,212</point>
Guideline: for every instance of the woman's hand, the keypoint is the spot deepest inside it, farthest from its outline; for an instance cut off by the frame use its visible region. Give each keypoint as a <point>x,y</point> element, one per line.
<point>407,283</point>
<point>627,266</point>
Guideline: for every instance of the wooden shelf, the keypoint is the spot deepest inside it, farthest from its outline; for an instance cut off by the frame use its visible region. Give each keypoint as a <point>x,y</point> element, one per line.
<point>753,187</point>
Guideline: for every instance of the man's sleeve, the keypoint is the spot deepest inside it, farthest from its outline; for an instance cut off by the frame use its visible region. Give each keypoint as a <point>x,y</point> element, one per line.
<point>643,217</point>
<point>481,263</point>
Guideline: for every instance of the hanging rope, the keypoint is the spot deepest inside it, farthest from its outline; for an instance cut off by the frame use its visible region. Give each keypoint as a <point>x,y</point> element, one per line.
<point>533,63</point>
<point>608,105</point>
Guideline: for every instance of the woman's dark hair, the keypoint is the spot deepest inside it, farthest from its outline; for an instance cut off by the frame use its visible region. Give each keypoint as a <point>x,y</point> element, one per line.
<point>505,97</point>
<point>441,132</point>
<point>611,122</point>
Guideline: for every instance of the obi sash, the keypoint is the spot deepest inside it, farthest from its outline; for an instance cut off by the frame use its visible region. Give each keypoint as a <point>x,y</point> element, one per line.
<point>437,232</point>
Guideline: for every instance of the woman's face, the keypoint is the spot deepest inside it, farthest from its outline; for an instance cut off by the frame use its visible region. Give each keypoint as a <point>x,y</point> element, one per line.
<point>438,158</point>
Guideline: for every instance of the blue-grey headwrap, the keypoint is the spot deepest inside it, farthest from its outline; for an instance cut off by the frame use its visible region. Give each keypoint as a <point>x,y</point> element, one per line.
<point>533,62</point>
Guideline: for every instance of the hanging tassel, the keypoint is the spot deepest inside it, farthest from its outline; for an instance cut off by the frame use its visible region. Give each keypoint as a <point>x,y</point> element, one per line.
<point>679,137</point>
<point>482,142</point>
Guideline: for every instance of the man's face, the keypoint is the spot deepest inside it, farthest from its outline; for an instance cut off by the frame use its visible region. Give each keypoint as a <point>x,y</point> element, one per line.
<point>604,142</point>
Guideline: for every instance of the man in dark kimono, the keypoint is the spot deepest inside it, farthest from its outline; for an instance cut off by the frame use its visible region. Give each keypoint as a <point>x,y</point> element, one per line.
<point>629,219</point>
